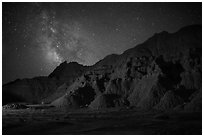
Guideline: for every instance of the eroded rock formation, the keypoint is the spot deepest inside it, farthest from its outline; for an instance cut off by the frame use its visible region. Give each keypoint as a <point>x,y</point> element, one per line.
<point>162,73</point>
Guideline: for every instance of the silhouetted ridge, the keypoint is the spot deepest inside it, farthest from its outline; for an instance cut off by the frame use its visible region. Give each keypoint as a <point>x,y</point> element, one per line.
<point>162,73</point>
<point>150,74</point>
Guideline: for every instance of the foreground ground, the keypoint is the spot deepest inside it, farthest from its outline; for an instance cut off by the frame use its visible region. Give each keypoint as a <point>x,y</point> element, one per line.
<point>111,121</point>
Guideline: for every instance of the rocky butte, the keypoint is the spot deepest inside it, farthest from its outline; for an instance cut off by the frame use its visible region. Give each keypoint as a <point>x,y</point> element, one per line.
<point>163,73</point>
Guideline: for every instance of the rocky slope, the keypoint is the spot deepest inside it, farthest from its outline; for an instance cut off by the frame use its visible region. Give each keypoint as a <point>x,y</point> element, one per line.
<point>162,73</point>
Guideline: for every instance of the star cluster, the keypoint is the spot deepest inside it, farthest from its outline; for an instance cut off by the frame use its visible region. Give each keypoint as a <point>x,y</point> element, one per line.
<point>37,37</point>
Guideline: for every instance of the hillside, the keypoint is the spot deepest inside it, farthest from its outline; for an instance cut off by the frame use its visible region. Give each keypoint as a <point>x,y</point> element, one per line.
<point>162,73</point>
<point>42,89</point>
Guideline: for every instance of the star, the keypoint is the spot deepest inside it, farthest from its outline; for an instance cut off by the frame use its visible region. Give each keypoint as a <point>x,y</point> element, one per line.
<point>117,29</point>
<point>47,33</point>
<point>78,28</point>
<point>152,24</point>
<point>53,30</point>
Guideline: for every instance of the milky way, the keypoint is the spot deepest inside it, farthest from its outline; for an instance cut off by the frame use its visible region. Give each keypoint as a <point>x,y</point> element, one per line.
<point>37,37</point>
<point>62,41</point>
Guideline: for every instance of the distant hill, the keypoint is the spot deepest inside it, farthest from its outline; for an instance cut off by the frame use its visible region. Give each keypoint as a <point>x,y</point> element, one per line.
<point>38,89</point>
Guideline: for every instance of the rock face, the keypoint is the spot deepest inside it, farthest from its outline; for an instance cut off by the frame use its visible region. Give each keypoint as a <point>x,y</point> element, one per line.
<point>67,72</point>
<point>162,73</point>
<point>169,101</point>
<point>195,103</point>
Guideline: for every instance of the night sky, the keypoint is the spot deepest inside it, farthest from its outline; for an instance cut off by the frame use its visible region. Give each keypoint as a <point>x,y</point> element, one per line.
<point>37,37</point>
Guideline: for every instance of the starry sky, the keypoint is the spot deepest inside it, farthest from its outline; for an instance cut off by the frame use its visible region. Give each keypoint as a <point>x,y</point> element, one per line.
<point>37,37</point>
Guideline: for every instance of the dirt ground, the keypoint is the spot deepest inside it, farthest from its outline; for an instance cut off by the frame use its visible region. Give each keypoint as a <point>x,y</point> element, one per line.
<point>54,121</point>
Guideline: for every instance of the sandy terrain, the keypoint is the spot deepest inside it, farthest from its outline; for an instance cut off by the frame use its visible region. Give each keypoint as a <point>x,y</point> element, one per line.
<point>110,121</point>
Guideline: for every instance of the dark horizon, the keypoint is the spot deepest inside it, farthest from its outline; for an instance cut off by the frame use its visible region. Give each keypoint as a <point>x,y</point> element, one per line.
<point>37,37</point>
